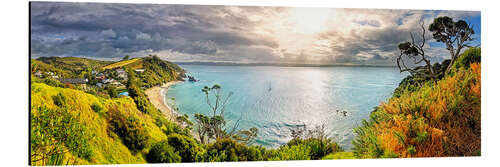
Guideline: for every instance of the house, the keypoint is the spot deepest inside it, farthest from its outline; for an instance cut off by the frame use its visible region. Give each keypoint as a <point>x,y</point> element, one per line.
<point>116,83</point>
<point>38,74</point>
<point>105,81</point>
<point>139,70</point>
<point>122,74</point>
<point>75,81</point>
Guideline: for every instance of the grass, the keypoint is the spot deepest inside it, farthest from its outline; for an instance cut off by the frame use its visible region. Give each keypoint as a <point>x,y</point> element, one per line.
<point>340,155</point>
<point>437,120</point>
<point>120,64</point>
<point>107,147</point>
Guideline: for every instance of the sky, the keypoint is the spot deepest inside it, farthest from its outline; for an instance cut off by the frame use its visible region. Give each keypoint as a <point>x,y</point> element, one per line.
<point>243,34</point>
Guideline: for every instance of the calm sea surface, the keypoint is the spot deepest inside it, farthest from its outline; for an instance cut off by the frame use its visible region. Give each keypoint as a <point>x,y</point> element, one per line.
<point>274,99</point>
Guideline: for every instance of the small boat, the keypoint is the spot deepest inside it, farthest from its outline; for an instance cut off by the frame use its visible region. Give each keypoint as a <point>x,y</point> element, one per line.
<point>269,87</point>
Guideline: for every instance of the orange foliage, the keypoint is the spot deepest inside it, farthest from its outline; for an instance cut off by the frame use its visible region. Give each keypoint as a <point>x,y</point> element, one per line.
<point>438,120</point>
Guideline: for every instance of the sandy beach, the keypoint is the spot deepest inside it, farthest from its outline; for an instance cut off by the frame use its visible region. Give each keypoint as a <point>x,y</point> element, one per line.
<point>156,95</point>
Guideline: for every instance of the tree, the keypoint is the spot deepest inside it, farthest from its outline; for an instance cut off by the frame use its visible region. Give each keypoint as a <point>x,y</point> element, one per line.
<point>218,106</point>
<point>112,91</point>
<point>214,127</point>
<point>126,57</point>
<point>414,51</point>
<point>203,127</point>
<point>455,35</point>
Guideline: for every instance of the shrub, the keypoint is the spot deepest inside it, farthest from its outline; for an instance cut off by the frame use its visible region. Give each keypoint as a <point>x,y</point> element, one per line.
<point>470,56</point>
<point>294,152</point>
<point>227,149</point>
<point>437,120</point>
<point>59,100</point>
<point>54,132</point>
<point>186,147</point>
<point>162,152</point>
<point>52,82</point>
<point>130,130</point>
<point>318,147</point>
<point>96,107</point>
<point>112,91</point>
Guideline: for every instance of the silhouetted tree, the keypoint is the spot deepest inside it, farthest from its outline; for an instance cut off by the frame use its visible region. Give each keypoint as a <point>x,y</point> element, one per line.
<point>414,51</point>
<point>455,35</point>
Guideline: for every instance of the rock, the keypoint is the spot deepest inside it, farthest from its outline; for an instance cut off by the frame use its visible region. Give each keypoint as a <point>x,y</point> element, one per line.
<point>192,79</point>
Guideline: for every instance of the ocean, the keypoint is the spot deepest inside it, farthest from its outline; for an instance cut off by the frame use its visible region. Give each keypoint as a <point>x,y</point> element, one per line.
<point>275,99</point>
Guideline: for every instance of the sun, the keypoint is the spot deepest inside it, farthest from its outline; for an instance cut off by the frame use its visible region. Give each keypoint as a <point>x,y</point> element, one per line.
<point>309,20</point>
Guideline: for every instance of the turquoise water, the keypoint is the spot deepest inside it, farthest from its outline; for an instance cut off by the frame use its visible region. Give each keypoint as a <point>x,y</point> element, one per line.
<point>273,99</point>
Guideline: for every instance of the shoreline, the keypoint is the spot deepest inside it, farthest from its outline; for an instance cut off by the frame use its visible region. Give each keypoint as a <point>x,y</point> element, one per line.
<point>157,96</point>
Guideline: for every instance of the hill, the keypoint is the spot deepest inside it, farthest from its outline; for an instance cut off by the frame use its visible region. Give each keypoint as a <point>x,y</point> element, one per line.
<point>122,63</point>
<point>96,116</point>
<point>433,120</point>
<point>73,63</point>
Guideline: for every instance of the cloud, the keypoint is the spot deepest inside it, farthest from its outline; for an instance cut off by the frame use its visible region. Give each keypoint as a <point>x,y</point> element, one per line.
<point>108,33</point>
<point>226,33</point>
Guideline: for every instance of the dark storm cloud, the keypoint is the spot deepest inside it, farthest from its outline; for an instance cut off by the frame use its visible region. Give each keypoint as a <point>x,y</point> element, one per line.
<point>112,30</point>
<point>379,45</point>
<point>224,33</point>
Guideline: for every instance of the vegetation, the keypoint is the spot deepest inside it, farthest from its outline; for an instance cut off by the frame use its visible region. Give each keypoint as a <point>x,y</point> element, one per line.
<point>214,127</point>
<point>431,114</point>
<point>129,129</point>
<point>227,149</point>
<point>64,119</point>
<point>120,64</point>
<point>441,119</point>
<point>455,35</point>
<point>73,65</point>
<point>162,152</point>
<point>54,133</point>
<point>157,72</point>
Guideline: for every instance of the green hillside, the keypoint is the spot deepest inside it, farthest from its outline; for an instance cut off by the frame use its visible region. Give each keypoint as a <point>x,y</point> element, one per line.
<point>69,126</point>
<point>94,113</point>
<point>120,64</point>
<point>73,63</point>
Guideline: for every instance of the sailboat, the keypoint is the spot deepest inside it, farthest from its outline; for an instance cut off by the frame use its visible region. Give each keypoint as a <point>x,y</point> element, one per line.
<point>269,87</point>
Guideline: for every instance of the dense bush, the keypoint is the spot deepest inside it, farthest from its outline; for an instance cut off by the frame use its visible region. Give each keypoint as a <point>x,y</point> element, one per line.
<point>440,119</point>
<point>318,147</point>
<point>112,91</point>
<point>55,131</point>
<point>187,147</point>
<point>130,130</point>
<point>294,152</point>
<point>157,71</point>
<point>413,83</point>
<point>162,152</point>
<point>59,100</point>
<point>226,149</point>
<point>470,56</point>
<point>52,82</point>
<point>96,107</point>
